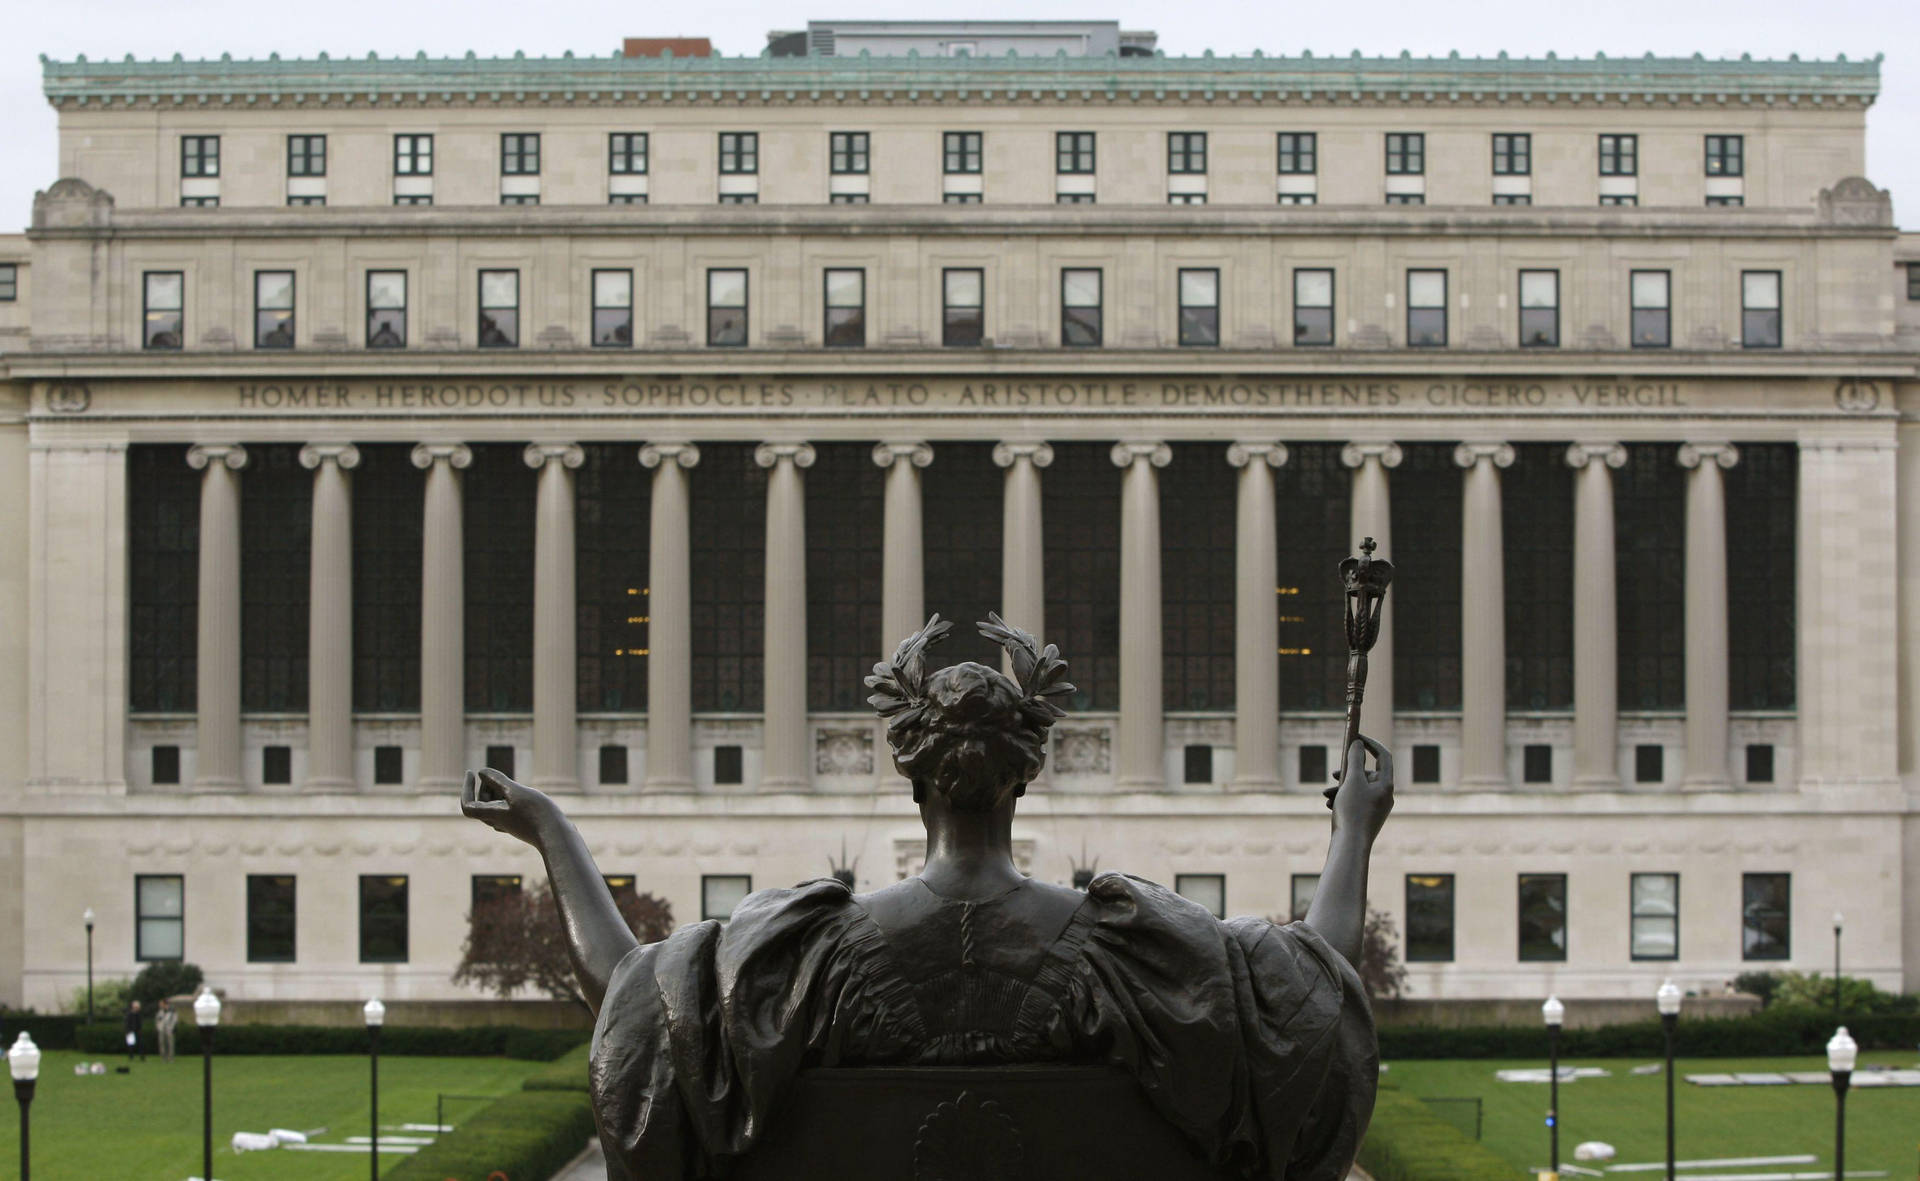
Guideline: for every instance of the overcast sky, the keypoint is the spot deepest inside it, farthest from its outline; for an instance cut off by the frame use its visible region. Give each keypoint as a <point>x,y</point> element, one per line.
<point>248,28</point>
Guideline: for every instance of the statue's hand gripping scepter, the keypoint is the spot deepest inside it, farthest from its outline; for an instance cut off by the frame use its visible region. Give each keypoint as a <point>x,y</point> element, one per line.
<point>1365,579</point>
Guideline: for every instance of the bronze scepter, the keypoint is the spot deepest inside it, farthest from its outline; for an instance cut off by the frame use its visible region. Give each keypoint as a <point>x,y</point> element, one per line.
<point>1365,579</point>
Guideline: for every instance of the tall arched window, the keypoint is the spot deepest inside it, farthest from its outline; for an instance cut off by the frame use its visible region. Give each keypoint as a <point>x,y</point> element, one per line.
<point>729,517</point>
<point>845,521</point>
<point>1763,493</point>
<point>387,504</point>
<point>612,514</point>
<point>1536,496</point>
<point>276,553</point>
<point>163,578</point>
<point>1649,531</point>
<point>1314,495</point>
<point>499,490</point>
<point>963,497</point>
<point>1198,507</point>
<point>1080,526</point>
<point>1426,501</point>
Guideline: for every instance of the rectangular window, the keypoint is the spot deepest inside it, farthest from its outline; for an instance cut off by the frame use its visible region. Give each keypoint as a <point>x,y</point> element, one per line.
<point>729,764</point>
<point>386,309</point>
<point>1199,307</point>
<point>519,153</point>
<point>1649,293</point>
<point>1184,199</point>
<point>165,764</point>
<point>1313,308</point>
<point>306,155</point>
<point>849,198</point>
<point>1539,309</point>
<point>1198,759</point>
<point>160,916</point>
<point>1426,309</point>
<point>626,198</point>
<point>1429,918</point>
<point>1512,154</point>
<point>963,313</point>
<point>1073,152</point>
<point>1649,763</point>
<point>726,309</point>
<point>389,765</point>
<point>413,156</point>
<point>163,310</point>
<point>1406,198</point>
<point>1208,889</point>
<point>613,764</point>
<point>1513,198</point>
<point>720,893</point>
<point>1080,311</point>
<point>500,758</point>
<point>1536,763</point>
<point>1766,914</point>
<point>1711,200</point>
<point>846,319</point>
<point>499,309</point>
<point>1656,915</point>
<point>9,282</point>
<point>739,153</point>
<point>1543,917</point>
<point>276,764</point>
<point>1186,152</point>
<point>270,917</point>
<point>1760,309</point>
<point>1300,896</point>
<point>487,888</point>
<point>739,198</point>
<point>627,153</point>
<point>613,309</point>
<point>848,153</point>
<point>1619,199</point>
<point>1073,198</point>
<point>273,309</point>
<point>1299,199</point>
<point>383,918</point>
<point>413,198</point>
<point>1298,152</point>
<point>519,198</point>
<point>960,198</point>
<point>1913,280</point>
<point>1759,762</point>
<point>961,153</point>
<point>1313,766</point>
<point>1726,155</point>
<point>1619,155</point>
<point>1426,763</point>
<point>199,155</point>
<point>310,199</point>
<point>1406,153</point>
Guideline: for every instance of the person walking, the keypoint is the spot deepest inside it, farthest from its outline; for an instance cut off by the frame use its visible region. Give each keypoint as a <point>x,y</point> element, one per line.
<point>133,1032</point>
<point>163,1025</point>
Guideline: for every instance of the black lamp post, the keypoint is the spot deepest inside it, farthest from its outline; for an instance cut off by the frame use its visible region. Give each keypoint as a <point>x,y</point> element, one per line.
<point>1553,1012</point>
<point>206,1012</point>
<point>1841,1052</point>
<point>1838,921</point>
<point>89,921</point>
<point>23,1062</point>
<point>376,1015</point>
<point>1667,999</point>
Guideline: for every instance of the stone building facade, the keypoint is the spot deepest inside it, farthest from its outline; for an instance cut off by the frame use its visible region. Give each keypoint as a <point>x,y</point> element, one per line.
<point>605,418</point>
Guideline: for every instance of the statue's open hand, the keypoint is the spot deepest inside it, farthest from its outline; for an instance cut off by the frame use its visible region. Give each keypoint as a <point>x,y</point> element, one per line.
<point>500,803</point>
<point>1364,798</point>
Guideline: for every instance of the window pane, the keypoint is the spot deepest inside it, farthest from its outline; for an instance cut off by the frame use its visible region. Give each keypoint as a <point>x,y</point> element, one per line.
<point>387,289</point>
<point>1197,495</point>
<point>162,897</point>
<point>1762,495</point>
<point>845,510</point>
<point>1656,894</point>
<point>1650,289</point>
<point>1760,289</point>
<point>846,289</point>
<point>1080,289</point>
<point>1655,938</point>
<point>727,289</point>
<point>1429,918</point>
<point>163,532</point>
<point>1543,917</point>
<point>612,289</point>
<point>963,528</point>
<point>1207,889</point>
<point>274,289</point>
<point>383,919</point>
<point>1313,289</point>
<point>964,289</point>
<point>499,289</point>
<point>1427,289</point>
<point>388,492</point>
<point>165,291</point>
<point>1080,528</point>
<point>1304,885</point>
<point>161,939</point>
<point>1766,913</point>
<point>720,894</point>
<point>276,521</point>
<point>1539,289</point>
<point>500,491</point>
<point>728,495</point>
<point>1199,289</point>
<point>270,918</point>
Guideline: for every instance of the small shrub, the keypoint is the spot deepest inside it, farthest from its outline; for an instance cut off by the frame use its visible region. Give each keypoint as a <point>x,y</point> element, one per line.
<point>1760,984</point>
<point>531,1134</point>
<point>156,982</point>
<point>1407,1142</point>
<point>1815,991</point>
<point>109,997</point>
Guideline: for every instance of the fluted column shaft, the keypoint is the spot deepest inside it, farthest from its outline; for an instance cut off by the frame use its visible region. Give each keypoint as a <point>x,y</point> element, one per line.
<point>1596,673</point>
<point>903,596</point>
<point>217,660</point>
<point>1142,755</point>
<point>443,603</point>
<point>670,619</point>
<point>330,618</point>
<point>556,742</point>
<point>787,744</point>
<point>1706,613</point>
<point>1372,516</point>
<point>1023,600</point>
<point>1483,616</point>
<point>1256,618</point>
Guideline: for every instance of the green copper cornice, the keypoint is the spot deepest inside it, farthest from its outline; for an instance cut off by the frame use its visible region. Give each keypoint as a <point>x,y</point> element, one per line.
<point>521,79</point>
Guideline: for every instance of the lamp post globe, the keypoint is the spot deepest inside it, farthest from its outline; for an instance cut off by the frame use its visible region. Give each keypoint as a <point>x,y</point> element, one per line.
<point>1554,1014</point>
<point>376,1016</point>
<point>1842,1052</point>
<point>23,1063</point>
<point>206,1014</point>
<point>88,919</point>
<point>1667,1000</point>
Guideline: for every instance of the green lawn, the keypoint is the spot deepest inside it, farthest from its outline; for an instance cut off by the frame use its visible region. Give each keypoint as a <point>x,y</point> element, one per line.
<point>1629,1112</point>
<point>146,1125</point>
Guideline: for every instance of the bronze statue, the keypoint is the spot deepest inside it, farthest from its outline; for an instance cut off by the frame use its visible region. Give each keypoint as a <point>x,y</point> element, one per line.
<point>1254,1040</point>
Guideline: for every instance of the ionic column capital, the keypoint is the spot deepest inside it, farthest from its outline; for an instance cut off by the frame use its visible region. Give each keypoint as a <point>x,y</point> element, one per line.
<point>1125,455</point>
<point>1242,454</point>
<point>769,454</point>
<point>1469,454</point>
<point>457,455</point>
<point>539,455</point>
<point>1357,454</point>
<point>344,454</point>
<point>655,454</point>
<point>201,454</point>
<point>1724,454</point>
<point>1038,454</point>
<point>888,454</point>
<point>1580,454</point>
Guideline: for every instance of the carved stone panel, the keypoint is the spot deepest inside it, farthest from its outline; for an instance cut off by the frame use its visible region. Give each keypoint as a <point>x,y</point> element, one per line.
<point>1082,750</point>
<point>843,751</point>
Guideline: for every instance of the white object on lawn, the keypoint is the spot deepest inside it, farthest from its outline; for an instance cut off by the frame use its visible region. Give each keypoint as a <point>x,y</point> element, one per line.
<point>1649,1068</point>
<point>287,1137</point>
<point>1593,1150</point>
<point>254,1141</point>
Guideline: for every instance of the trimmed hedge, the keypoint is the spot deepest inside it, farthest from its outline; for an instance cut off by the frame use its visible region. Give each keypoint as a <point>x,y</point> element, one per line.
<point>1774,1032</point>
<point>1407,1142</point>
<point>49,1033</point>
<point>528,1136</point>
<point>484,1041</point>
<point>567,1073</point>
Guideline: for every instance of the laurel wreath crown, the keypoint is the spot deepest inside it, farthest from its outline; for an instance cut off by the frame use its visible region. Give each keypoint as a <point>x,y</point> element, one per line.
<point>900,684</point>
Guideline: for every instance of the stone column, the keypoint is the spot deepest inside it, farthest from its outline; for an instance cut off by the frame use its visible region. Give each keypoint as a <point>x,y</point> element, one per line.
<point>1256,619</point>
<point>788,745</point>
<point>903,597</point>
<point>670,619</point>
<point>1483,617</point>
<point>330,618</point>
<point>217,661</point>
<point>443,612</point>
<point>1023,600</point>
<point>1596,672</point>
<point>1706,613</point>
<point>1141,764</point>
<point>556,739</point>
<point>1372,517</point>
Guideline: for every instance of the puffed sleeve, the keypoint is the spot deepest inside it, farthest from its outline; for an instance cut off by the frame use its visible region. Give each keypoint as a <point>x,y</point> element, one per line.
<point>1254,1039</point>
<point>700,1033</point>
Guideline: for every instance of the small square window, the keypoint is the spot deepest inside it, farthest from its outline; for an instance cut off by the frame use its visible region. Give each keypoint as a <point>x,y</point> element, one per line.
<point>306,155</point>
<point>1760,762</point>
<point>1199,760</point>
<point>961,153</point>
<point>1199,317</point>
<point>1073,153</point>
<point>165,763</point>
<point>1406,153</point>
<point>1619,199</point>
<point>721,893</point>
<point>739,153</point>
<point>627,153</point>
<point>412,156</point>
<point>1619,156</point>
<point>1649,763</point>
<point>1426,763</point>
<point>519,153</point>
<point>1406,198</point>
<point>1512,154</point>
<point>847,153</point>
<point>613,764</point>
<point>500,758</point>
<point>276,764</point>
<point>389,765</point>
<point>1726,155</point>
<point>1297,150</point>
<point>199,155</point>
<point>1536,763</point>
<point>1187,153</point>
<point>1207,889</point>
<point>1313,767</point>
<point>726,309</point>
<point>727,765</point>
